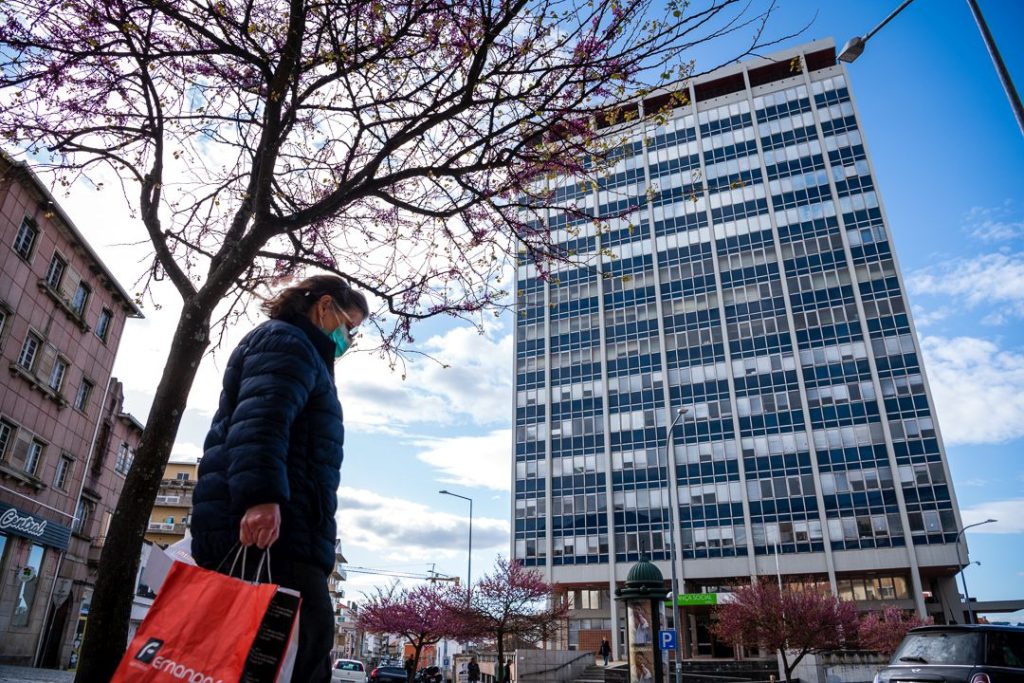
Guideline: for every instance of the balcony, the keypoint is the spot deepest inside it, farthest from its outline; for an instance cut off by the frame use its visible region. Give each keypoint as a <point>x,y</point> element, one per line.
<point>177,483</point>
<point>166,528</point>
<point>175,501</point>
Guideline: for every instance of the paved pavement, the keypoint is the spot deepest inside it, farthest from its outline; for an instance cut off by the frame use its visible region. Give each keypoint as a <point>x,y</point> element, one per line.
<point>17,674</point>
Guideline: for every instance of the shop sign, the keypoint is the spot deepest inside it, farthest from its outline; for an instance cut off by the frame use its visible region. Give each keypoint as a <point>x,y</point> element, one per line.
<point>701,599</point>
<point>43,531</point>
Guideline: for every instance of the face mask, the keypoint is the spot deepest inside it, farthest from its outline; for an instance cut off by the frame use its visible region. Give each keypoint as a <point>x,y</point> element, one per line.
<point>340,339</point>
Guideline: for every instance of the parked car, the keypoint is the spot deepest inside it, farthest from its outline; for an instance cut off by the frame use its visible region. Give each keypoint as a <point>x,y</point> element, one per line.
<point>971,653</point>
<point>387,673</point>
<point>349,671</point>
<point>431,674</point>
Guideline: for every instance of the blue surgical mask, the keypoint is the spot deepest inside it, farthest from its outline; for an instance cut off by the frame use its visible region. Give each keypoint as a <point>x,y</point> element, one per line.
<point>341,342</point>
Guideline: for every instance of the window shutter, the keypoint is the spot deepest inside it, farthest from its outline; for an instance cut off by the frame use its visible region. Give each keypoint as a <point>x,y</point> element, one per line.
<point>70,283</point>
<point>44,365</point>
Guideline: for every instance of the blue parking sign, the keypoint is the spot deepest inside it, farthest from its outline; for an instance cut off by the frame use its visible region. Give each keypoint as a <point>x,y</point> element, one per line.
<point>667,639</point>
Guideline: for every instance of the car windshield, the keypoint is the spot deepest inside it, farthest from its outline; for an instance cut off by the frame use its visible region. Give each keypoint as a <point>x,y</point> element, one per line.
<point>348,666</point>
<point>938,647</point>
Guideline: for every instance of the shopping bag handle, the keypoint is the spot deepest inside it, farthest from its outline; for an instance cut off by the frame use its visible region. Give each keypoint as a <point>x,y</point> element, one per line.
<point>240,552</point>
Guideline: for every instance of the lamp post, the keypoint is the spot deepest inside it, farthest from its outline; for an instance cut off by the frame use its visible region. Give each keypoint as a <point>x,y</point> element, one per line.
<point>469,562</point>
<point>854,47</point>
<point>674,495</point>
<point>960,565</point>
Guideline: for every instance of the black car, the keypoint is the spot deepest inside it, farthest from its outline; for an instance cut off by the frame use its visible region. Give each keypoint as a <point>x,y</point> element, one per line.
<point>977,653</point>
<point>382,674</point>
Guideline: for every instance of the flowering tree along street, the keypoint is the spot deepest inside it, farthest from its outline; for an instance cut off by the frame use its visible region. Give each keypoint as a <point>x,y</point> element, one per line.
<point>401,144</point>
<point>882,631</point>
<point>513,603</point>
<point>793,623</point>
<point>423,615</point>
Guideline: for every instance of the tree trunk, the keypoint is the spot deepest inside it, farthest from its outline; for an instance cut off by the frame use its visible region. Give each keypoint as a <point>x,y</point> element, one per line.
<point>109,615</point>
<point>500,672</point>
<point>416,658</point>
<point>788,667</point>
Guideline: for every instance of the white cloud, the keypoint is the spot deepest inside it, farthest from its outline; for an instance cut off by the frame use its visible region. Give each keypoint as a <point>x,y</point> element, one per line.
<point>471,461</point>
<point>978,389</point>
<point>928,317</point>
<point>1008,513</point>
<point>985,280</point>
<point>398,531</point>
<point>468,375</point>
<point>994,224</point>
<point>186,452</point>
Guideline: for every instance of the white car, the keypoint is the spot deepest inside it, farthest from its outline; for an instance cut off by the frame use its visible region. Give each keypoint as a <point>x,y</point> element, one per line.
<point>348,670</point>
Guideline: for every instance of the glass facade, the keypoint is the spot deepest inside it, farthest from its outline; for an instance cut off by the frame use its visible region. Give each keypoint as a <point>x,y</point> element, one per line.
<point>743,272</point>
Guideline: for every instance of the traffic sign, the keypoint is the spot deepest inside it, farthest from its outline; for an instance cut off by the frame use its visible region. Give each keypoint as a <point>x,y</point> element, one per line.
<point>667,639</point>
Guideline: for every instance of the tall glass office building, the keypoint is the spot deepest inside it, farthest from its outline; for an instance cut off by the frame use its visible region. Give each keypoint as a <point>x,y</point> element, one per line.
<point>754,289</point>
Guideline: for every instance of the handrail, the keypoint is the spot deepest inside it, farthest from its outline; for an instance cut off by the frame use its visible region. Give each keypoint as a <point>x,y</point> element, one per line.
<point>563,665</point>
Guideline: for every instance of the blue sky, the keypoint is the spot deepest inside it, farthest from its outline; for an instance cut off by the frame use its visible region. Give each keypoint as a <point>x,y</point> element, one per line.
<point>948,159</point>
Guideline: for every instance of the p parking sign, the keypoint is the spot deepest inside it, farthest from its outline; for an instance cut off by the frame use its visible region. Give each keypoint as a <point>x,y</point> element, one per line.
<point>667,639</point>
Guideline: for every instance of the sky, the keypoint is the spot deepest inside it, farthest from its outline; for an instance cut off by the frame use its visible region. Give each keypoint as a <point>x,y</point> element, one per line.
<point>949,161</point>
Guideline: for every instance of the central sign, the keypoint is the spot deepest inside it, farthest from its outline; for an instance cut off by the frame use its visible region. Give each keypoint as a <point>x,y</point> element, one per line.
<point>20,523</point>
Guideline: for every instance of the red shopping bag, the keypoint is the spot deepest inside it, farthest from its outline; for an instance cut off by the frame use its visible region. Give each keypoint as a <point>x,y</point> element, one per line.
<point>206,627</point>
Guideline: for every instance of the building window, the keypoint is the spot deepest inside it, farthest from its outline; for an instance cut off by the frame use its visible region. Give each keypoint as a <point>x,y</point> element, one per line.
<point>103,324</point>
<point>64,469</point>
<point>34,456</point>
<point>29,352</point>
<point>55,273</point>
<point>3,322</point>
<point>6,438</point>
<point>60,369</point>
<point>182,476</point>
<point>26,238</point>
<point>81,298</point>
<point>28,582</point>
<point>82,397</point>
<point>83,516</point>
<point>124,459</point>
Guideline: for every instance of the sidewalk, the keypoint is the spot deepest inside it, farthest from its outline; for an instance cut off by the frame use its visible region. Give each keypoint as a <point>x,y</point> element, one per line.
<point>18,674</point>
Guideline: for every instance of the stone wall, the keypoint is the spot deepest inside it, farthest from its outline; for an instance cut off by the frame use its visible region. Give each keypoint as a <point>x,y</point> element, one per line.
<point>839,667</point>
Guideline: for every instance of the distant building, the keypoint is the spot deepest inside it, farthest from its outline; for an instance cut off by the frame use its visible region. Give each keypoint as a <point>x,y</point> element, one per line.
<point>173,507</point>
<point>745,283</point>
<point>62,313</point>
<point>344,614</point>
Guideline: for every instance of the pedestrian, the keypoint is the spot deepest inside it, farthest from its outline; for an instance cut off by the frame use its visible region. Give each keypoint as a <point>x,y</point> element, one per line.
<point>410,669</point>
<point>605,650</point>
<point>474,670</point>
<point>272,458</point>
<point>506,671</point>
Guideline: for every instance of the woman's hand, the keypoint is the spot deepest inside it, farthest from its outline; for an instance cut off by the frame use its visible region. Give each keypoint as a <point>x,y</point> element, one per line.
<point>261,525</point>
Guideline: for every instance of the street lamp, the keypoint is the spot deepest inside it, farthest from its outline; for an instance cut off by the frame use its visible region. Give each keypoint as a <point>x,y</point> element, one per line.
<point>469,563</point>
<point>854,47</point>
<point>960,565</point>
<point>674,494</point>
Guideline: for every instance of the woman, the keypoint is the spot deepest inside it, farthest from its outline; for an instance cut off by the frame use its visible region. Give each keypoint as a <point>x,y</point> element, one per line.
<point>271,461</point>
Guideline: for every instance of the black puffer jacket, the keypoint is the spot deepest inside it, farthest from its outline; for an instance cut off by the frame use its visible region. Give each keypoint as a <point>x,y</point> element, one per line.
<point>276,438</point>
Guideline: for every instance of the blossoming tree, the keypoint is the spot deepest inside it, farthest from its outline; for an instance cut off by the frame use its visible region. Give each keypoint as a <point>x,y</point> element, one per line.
<point>423,615</point>
<point>513,603</point>
<point>793,623</point>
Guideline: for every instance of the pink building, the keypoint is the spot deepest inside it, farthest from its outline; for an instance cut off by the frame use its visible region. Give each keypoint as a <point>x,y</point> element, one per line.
<point>65,440</point>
